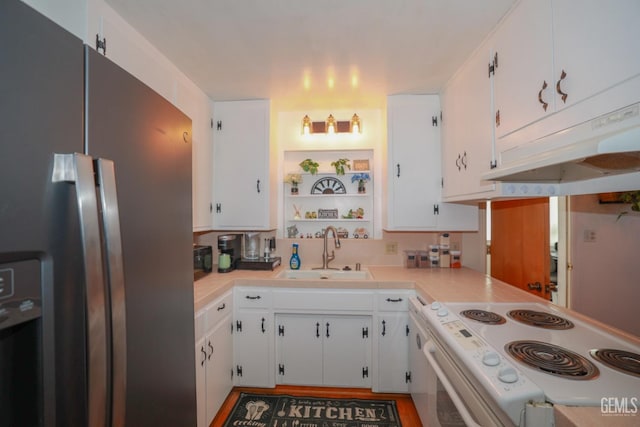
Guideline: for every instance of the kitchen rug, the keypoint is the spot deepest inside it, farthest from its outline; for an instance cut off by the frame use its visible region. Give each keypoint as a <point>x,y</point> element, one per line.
<point>297,411</point>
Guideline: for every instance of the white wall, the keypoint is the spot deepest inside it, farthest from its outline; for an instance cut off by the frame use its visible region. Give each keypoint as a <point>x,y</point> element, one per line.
<point>352,251</point>
<point>605,280</point>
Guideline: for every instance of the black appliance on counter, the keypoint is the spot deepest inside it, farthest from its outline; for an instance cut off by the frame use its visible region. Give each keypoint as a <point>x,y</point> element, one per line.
<point>96,276</point>
<point>202,261</point>
<point>261,263</point>
<point>230,246</point>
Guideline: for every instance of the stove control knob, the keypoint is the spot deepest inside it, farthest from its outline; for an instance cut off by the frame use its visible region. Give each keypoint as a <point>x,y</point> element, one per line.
<point>435,305</point>
<point>491,358</point>
<point>508,375</point>
<point>443,312</point>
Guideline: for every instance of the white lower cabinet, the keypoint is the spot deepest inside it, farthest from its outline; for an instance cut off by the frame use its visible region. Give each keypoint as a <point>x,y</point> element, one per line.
<point>329,350</point>
<point>393,347</point>
<point>321,337</point>
<point>214,364</point>
<point>253,338</point>
<point>392,337</point>
<point>201,380</point>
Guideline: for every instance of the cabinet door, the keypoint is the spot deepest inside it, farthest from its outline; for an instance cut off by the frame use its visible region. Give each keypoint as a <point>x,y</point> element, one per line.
<point>241,165</point>
<point>393,347</point>
<point>197,106</point>
<point>127,48</point>
<point>467,129</point>
<point>299,349</point>
<point>252,351</point>
<point>201,379</point>
<point>452,216</point>
<point>414,167</point>
<point>347,351</point>
<point>524,47</point>
<point>596,44</point>
<point>219,366</point>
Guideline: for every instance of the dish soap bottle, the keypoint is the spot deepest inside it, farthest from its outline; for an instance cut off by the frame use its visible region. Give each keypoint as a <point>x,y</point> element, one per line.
<point>294,262</point>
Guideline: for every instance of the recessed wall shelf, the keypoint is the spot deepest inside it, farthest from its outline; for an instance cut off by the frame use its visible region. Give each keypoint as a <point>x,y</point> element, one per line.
<point>343,195</point>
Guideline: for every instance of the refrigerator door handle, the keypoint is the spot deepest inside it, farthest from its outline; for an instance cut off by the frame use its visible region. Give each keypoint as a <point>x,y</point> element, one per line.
<point>115,276</point>
<point>78,168</point>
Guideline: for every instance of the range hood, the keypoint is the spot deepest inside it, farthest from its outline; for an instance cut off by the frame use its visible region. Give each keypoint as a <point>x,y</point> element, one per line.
<point>606,146</point>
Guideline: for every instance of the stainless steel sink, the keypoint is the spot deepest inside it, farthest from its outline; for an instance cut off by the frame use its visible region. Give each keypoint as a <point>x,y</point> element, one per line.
<point>325,274</point>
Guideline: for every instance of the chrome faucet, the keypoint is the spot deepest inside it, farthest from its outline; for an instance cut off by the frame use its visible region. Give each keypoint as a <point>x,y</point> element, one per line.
<point>326,258</point>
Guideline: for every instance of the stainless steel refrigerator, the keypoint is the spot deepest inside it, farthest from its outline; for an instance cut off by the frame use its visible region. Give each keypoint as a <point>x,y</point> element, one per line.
<point>96,274</point>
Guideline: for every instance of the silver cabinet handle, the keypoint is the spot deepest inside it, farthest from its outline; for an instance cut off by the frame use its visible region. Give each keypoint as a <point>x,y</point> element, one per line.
<point>78,169</point>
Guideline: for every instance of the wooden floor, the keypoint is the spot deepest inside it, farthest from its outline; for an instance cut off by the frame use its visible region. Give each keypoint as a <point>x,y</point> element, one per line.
<point>406,410</point>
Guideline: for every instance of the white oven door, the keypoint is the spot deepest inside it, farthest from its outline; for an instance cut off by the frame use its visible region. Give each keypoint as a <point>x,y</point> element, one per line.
<point>418,366</point>
<point>452,400</point>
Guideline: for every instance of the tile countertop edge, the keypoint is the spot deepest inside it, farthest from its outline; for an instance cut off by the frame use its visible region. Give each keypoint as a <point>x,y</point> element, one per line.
<point>441,284</point>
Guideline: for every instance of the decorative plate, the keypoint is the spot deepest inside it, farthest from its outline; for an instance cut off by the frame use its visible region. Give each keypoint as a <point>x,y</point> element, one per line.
<point>328,185</point>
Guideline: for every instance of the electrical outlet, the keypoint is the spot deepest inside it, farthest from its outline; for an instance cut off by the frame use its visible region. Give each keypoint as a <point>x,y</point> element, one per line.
<point>391,248</point>
<point>589,235</point>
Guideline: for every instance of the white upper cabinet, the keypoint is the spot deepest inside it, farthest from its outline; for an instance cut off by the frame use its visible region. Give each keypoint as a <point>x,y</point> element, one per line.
<point>596,44</point>
<point>414,169</point>
<point>414,161</point>
<point>554,54</point>
<point>523,50</point>
<point>241,184</point>
<point>467,132</point>
<point>198,106</point>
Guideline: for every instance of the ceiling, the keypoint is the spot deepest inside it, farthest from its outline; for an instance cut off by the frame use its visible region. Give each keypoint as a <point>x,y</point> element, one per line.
<point>338,52</point>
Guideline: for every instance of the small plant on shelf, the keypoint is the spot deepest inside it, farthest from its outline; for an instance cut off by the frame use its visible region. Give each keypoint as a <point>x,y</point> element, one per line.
<point>632,198</point>
<point>294,179</point>
<point>340,164</point>
<point>310,166</point>
<point>362,178</point>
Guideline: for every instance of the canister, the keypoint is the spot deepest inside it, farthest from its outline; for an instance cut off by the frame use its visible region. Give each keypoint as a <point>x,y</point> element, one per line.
<point>456,259</point>
<point>410,259</point>
<point>423,259</point>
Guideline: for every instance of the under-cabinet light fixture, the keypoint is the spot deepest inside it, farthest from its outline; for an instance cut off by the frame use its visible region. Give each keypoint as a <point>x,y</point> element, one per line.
<point>331,125</point>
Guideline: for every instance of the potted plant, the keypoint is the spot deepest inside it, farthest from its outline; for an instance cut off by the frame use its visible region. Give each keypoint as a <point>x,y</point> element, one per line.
<point>310,166</point>
<point>362,178</point>
<point>294,179</point>
<point>631,197</point>
<point>340,164</point>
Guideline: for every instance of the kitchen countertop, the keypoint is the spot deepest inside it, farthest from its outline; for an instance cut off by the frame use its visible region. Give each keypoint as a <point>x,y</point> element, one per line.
<point>441,284</point>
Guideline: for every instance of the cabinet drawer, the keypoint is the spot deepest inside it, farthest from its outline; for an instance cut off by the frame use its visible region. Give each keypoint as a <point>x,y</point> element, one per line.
<point>199,323</point>
<point>323,300</point>
<point>253,298</point>
<point>218,309</point>
<point>393,300</point>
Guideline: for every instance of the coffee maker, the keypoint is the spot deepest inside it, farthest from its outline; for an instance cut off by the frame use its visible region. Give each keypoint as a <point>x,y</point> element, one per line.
<point>251,259</point>
<point>230,246</point>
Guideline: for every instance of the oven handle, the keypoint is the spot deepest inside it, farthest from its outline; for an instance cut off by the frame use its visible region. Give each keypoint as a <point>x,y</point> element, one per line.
<point>429,348</point>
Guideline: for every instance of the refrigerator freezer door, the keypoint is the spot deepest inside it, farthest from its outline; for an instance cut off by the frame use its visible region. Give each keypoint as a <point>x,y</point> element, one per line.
<point>41,113</point>
<point>78,169</point>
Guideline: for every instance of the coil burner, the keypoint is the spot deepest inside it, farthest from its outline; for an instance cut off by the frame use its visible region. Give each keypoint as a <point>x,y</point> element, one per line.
<point>620,360</point>
<point>483,316</point>
<point>552,359</point>
<point>540,319</point>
